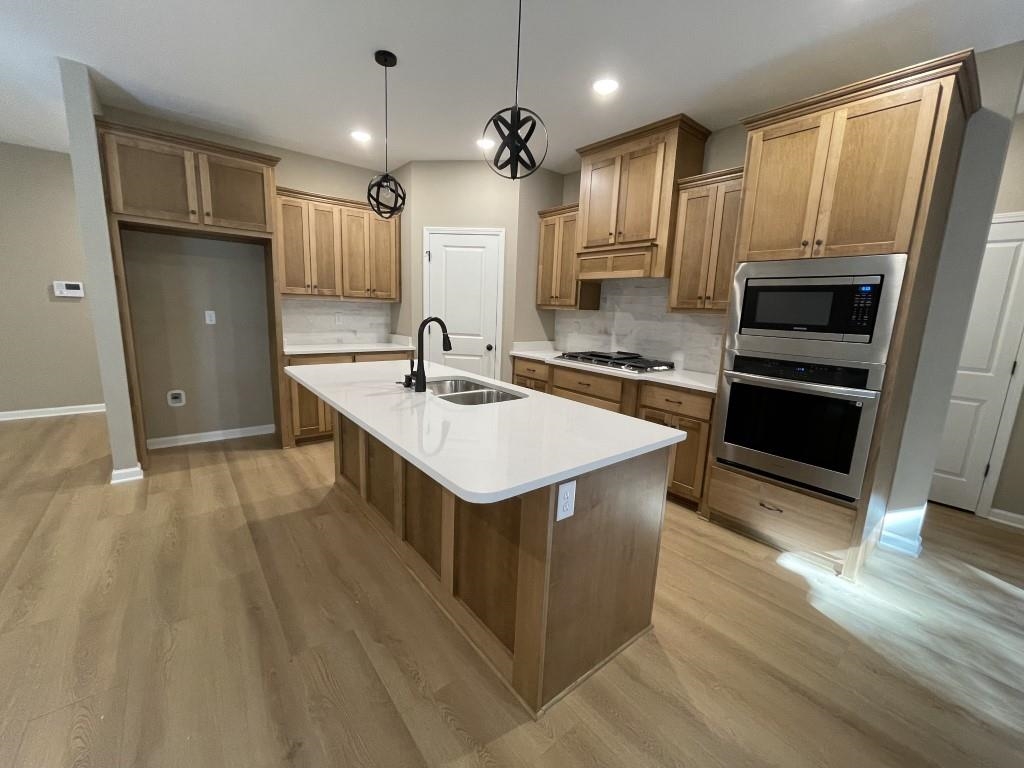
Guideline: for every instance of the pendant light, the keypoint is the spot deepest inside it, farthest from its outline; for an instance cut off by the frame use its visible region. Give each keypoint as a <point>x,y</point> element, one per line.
<point>516,134</point>
<point>385,195</point>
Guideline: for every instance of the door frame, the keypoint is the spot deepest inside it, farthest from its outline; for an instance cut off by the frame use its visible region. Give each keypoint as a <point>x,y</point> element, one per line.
<point>1007,417</point>
<point>500,307</point>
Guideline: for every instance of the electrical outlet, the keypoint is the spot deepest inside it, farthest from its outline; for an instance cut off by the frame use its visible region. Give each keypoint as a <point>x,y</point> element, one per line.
<point>566,500</point>
<point>211,317</point>
<point>176,398</point>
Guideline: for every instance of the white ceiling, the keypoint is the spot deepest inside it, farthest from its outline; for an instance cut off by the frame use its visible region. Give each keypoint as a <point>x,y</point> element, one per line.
<point>300,74</point>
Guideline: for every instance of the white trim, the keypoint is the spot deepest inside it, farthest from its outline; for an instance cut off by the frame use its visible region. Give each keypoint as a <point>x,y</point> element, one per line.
<point>1007,416</point>
<point>900,544</point>
<point>60,410</point>
<point>1006,517</point>
<point>209,437</point>
<point>500,309</point>
<point>129,475</point>
<point>1008,218</point>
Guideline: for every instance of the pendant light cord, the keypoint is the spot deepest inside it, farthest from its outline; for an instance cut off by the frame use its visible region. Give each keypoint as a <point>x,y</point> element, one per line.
<point>519,37</point>
<point>386,118</point>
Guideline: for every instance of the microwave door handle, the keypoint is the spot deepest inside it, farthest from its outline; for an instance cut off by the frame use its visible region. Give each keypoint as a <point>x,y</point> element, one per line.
<point>846,393</point>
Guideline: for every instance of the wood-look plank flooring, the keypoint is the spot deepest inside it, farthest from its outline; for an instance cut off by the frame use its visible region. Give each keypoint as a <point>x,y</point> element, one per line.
<point>232,610</point>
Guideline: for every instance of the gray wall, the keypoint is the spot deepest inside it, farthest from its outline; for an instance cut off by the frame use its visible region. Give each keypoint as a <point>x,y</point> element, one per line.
<point>223,368</point>
<point>1010,490</point>
<point>49,351</point>
<point>571,188</point>
<point>725,148</point>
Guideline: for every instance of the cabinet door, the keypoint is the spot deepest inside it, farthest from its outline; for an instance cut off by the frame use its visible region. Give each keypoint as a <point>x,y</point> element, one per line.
<point>383,258</point>
<point>695,218</point>
<point>355,252</point>
<point>640,194</point>
<point>292,246</point>
<point>151,178</point>
<point>688,462</point>
<point>236,193</point>
<point>308,412</point>
<point>723,244</point>
<point>325,249</point>
<point>547,258</point>
<point>785,172</point>
<point>875,170</point>
<point>599,186</point>
<point>565,261</point>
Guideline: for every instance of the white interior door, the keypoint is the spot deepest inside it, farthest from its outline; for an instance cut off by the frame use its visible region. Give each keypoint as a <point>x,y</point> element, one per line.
<point>462,286</point>
<point>983,377</point>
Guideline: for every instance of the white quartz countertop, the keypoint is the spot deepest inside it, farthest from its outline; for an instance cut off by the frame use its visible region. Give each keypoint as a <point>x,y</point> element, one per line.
<point>481,453</point>
<point>345,349</point>
<point>701,382</point>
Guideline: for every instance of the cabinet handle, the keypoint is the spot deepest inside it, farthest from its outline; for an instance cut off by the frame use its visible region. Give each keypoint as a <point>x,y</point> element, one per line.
<point>674,402</point>
<point>583,383</point>
<point>805,243</point>
<point>770,507</point>
<point>819,242</point>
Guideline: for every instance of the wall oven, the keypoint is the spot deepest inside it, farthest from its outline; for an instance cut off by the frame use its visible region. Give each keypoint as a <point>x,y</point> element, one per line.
<point>803,368</point>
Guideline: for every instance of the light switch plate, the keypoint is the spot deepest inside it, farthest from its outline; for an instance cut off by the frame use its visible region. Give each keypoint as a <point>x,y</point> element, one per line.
<point>68,289</point>
<point>211,317</point>
<point>566,500</point>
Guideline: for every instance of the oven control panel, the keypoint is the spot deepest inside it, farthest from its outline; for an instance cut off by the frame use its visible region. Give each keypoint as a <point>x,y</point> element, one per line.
<point>864,306</point>
<point>793,370</point>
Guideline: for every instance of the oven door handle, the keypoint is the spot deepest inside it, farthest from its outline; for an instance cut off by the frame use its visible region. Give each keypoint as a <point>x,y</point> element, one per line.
<point>846,393</point>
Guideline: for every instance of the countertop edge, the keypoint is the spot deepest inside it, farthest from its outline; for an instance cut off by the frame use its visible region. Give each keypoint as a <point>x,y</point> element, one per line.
<point>660,377</point>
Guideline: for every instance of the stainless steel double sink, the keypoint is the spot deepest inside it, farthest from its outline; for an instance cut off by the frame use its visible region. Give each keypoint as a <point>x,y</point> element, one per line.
<point>469,392</point>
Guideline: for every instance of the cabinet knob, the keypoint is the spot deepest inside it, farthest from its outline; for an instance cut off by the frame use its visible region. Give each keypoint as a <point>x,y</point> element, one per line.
<point>818,242</point>
<point>314,286</point>
<point>192,211</point>
<point>208,213</point>
<point>805,243</point>
<point>610,234</point>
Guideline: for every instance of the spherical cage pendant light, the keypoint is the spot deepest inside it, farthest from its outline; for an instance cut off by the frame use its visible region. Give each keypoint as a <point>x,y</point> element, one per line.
<point>385,194</point>
<point>518,138</point>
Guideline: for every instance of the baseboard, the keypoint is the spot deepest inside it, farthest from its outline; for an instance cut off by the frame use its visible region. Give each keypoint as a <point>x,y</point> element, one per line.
<point>1006,517</point>
<point>209,437</point>
<point>60,410</point>
<point>902,545</point>
<point>126,475</point>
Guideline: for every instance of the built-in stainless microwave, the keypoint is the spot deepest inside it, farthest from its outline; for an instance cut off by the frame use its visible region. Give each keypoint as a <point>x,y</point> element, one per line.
<point>835,308</point>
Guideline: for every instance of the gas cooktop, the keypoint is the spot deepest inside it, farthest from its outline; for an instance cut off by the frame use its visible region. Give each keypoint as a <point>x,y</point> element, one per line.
<point>626,361</point>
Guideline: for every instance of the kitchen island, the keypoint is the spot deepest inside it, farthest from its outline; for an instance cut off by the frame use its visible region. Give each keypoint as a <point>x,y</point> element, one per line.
<point>534,523</point>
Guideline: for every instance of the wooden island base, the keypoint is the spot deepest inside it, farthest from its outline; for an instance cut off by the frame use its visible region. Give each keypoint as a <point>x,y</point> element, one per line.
<point>545,602</point>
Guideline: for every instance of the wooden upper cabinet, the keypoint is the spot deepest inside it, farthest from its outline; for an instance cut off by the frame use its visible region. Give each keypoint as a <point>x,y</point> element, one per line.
<point>628,194</point>
<point>292,246</point>
<point>325,249</point>
<point>599,192</point>
<point>150,178</point>
<point>383,258</point>
<point>236,193</point>
<point>707,224</point>
<point>154,175</point>
<point>355,246</point>
<point>565,264</point>
<point>692,251</point>
<point>640,194</point>
<point>557,286</point>
<point>874,174</point>
<point>784,174</point>
<point>548,258</point>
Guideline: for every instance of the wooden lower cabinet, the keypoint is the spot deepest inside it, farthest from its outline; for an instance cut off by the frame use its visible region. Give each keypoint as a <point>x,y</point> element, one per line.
<point>687,478</point>
<point>520,585</point>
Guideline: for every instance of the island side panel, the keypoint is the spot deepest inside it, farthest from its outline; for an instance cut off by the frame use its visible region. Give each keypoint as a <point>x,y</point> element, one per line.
<point>603,567</point>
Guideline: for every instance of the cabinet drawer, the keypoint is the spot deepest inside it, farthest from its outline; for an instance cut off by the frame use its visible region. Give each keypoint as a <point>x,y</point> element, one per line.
<point>614,265</point>
<point>534,384</point>
<point>318,359</point>
<point>588,384</point>
<point>785,518</point>
<point>568,394</point>
<point>369,357</point>
<point>676,401</point>
<point>531,369</point>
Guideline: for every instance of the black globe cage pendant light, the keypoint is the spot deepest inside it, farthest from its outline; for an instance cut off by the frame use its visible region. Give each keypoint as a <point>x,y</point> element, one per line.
<point>517,135</point>
<point>385,195</point>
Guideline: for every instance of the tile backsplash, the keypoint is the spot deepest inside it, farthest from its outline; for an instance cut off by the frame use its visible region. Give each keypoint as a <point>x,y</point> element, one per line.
<point>633,318</point>
<point>310,320</point>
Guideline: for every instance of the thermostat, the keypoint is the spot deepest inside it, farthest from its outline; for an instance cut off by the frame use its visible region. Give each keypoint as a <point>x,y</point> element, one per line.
<point>68,289</point>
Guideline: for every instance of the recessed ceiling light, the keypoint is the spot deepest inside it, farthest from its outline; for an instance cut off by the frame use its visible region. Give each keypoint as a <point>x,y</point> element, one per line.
<point>485,143</point>
<point>360,136</point>
<point>606,86</point>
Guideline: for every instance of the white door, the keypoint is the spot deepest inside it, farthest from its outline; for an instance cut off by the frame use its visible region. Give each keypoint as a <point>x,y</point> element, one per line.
<point>462,286</point>
<point>983,377</point>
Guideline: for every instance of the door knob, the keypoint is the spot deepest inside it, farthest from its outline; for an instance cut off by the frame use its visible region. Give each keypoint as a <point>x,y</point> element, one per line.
<point>490,347</point>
